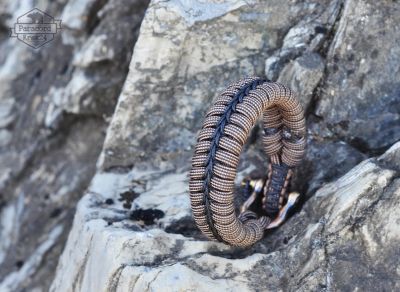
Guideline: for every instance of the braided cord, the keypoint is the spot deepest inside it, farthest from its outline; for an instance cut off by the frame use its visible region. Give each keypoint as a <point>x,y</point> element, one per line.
<point>274,187</point>
<point>219,144</point>
<point>225,117</point>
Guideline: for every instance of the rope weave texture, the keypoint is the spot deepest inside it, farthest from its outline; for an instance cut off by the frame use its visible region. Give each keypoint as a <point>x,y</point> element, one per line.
<point>225,129</point>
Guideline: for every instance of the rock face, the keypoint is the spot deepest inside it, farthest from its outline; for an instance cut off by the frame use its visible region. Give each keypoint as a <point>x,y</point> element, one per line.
<point>73,102</point>
<point>55,103</point>
<point>346,237</point>
<point>185,54</point>
<point>355,103</point>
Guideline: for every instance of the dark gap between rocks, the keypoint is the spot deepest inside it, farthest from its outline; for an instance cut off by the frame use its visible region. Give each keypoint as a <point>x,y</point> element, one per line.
<point>187,227</point>
<point>362,146</point>
<point>93,19</point>
<point>234,252</point>
<point>56,212</point>
<point>323,52</point>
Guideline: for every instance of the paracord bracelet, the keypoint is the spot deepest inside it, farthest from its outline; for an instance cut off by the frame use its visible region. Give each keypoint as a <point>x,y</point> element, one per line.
<point>220,141</point>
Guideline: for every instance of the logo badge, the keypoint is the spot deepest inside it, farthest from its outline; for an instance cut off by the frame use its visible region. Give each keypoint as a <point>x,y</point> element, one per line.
<point>35,28</point>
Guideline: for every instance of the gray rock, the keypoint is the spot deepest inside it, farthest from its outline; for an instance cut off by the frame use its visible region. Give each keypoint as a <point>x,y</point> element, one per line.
<point>360,99</point>
<point>323,162</point>
<point>78,20</point>
<point>182,61</point>
<point>5,137</point>
<point>331,244</point>
<point>303,75</point>
<point>133,228</point>
<point>310,34</point>
<point>308,253</point>
<point>53,116</point>
<point>6,112</point>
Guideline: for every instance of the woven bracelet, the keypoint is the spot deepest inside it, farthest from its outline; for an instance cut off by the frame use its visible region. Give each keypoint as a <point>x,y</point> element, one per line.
<point>220,141</point>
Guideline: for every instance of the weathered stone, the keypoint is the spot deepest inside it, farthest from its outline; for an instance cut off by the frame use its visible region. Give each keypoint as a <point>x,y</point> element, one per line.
<point>6,112</point>
<point>360,99</point>
<point>53,116</point>
<point>77,18</point>
<point>310,34</point>
<point>133,229</point>
<point>308,253</point>
<point>323,162</point>
<point>182,58</point>
<point>5,137</point>
<point>32,264</point>
<point>303,75</point>
<point>341,227</point>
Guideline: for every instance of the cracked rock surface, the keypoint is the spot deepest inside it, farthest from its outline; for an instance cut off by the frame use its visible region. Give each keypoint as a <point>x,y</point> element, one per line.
<point>345,237</point>
<point>105,117</point>
<point>55,105</point>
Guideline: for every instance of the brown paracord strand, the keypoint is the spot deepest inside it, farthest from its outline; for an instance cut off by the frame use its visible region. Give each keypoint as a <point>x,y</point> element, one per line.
<point>225,130</point>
